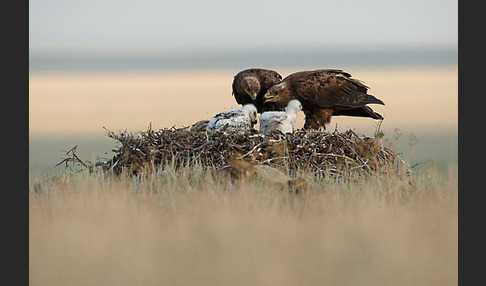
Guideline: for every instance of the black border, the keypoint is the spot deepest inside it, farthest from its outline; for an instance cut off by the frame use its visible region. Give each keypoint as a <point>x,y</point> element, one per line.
<point>471,145</point>
<point>15,141</point>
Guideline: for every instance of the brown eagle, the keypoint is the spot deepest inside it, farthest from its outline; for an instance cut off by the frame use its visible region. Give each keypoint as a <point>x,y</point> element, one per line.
<point>324,93</point>
<point>249,86</point>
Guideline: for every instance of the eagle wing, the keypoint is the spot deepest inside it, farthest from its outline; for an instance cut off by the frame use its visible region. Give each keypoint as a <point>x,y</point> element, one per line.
<point>234,118</point>
<point>330,89</point>
<point>273,116</point>
<point>229,114</point>
<point>303,74</point>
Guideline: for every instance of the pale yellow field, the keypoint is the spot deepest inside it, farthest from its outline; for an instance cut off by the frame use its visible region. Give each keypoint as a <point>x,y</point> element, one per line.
<point>184,229</point>
<point>415,98</point>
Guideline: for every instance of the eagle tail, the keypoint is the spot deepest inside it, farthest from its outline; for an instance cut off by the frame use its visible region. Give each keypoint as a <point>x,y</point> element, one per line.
<point>364,111</point>
<point>370,99</point>
<point>375,115</point>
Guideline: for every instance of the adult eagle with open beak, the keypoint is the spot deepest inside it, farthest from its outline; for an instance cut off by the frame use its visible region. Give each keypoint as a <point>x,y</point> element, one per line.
<point>250,85</point>
<point>324,93</point>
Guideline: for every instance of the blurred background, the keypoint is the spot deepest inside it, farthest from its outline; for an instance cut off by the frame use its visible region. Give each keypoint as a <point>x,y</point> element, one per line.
<point>127,64</point>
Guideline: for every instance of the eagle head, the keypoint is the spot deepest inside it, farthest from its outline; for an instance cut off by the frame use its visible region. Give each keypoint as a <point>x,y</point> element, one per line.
<point>279,93</point>
<point>251,110</point>
<point>268,78</point>
<point>271,78</point>
<point>294,106</point>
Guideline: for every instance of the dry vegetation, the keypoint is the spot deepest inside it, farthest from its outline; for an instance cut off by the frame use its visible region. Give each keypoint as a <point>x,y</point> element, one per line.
<point>344,211</point>
<point>318,152</point>
<point>182,225</point>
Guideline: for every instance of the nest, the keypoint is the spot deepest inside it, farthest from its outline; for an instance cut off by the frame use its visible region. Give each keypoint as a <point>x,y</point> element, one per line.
<point>319,152</point>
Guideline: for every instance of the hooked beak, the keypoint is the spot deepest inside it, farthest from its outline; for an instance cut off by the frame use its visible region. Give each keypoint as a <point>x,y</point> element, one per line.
<point>253,95</point>
<point>269,98</point>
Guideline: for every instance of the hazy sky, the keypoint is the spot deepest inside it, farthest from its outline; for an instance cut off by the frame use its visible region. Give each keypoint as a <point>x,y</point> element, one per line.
<point>155,26</point>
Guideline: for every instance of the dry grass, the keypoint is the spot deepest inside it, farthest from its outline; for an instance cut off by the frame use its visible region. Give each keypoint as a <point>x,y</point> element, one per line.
<point>185,228</point>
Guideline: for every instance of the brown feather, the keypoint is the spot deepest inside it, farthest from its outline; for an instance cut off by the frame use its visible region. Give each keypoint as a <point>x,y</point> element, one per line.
<point>326,89</point>
<point>251,81</point>
<point>364,111</point>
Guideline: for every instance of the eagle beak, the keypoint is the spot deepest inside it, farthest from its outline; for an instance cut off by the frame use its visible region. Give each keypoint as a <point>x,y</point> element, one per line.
<point>252,95</point>
<point>269,98</point>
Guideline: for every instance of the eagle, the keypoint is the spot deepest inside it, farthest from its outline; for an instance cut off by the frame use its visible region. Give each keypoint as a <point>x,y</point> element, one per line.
<point>324,93</point>
<point>237,119</point>
<point>280,120</point>
<point>250,85</point>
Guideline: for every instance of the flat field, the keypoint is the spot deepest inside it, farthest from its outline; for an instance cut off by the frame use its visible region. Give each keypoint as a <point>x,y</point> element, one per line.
<point>185,228</point>
<point>82,103</point>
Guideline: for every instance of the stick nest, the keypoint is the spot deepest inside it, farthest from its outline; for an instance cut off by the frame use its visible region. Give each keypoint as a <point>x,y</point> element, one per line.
<point>320,152</point>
